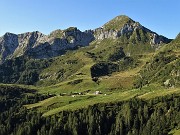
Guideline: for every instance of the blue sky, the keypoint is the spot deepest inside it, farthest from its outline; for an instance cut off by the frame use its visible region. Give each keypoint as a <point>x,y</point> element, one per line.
<point>19,16</point>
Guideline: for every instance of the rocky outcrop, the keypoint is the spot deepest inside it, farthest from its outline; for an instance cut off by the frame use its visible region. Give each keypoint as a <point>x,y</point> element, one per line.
<point>156,39</point>
<point>53,46</point>
<point>8,44</point>
<point>27,41</point>
<point>101,34</point>
<point>127,29</point>
<point>38,45</point>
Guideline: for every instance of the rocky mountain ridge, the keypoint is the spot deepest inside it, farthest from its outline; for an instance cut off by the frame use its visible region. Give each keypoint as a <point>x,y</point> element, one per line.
<point>38,45</point>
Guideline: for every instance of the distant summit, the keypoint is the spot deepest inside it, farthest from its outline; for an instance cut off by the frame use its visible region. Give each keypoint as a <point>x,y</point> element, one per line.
<point>118,22</point>
<point>134,32</point>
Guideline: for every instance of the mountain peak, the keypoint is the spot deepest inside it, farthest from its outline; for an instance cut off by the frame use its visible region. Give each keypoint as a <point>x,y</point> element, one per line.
<point>118,22</point>
<point>178,36</point>
<point>121,18</point>
<point>177,39</point>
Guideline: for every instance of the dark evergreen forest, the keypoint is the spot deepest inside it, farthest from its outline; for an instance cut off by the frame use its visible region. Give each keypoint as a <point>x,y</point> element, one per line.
<point>133,117</point>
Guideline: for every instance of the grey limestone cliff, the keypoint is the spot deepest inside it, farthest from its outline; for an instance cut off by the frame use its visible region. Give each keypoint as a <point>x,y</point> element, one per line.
<point>38,45</point>
<point>128,29</point>
<point>8,44</point>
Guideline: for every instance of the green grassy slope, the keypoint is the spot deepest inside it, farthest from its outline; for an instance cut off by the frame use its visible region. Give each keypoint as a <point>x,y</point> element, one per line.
<point>116,87</point>
<point>117,23</point>
<point>164,67</point>
<point>59,103</point>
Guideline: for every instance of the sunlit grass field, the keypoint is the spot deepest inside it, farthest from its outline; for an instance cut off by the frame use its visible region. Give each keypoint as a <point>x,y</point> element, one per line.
<point>59,103</point>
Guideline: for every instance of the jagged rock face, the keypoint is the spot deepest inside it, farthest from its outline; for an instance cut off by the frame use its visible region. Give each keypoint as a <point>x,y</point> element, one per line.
<point>27,41</point>
<point>8,44</point>
<point>55,46</point>
<point>38,45</point>
<point>128,29</point>
<point>12,45</point>
<point>101,34</point>
<point>156,39</point>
